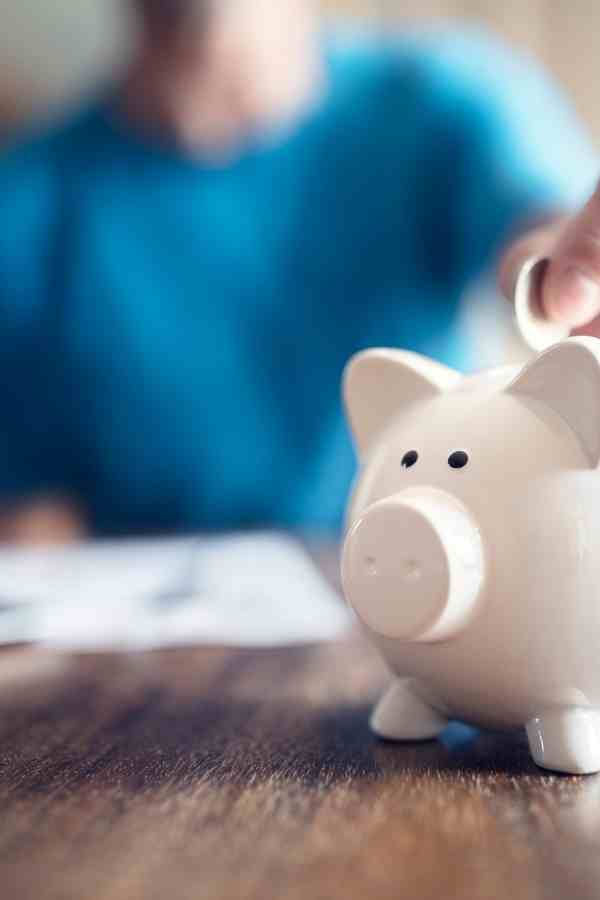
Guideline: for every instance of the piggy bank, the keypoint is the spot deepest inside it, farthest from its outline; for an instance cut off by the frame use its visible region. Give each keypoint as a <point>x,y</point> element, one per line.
<point>472,550</point>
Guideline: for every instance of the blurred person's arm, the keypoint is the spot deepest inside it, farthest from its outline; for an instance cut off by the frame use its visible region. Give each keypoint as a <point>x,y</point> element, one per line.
<point>537,154</point>
<point>32,509</point>
<point>513,155</point>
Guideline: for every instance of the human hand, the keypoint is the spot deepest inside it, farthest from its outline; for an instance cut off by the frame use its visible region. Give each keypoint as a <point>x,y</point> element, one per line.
<point>569,291</point>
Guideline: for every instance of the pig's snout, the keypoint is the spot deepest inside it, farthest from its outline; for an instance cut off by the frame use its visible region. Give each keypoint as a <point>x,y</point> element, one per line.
<point>413,565</point>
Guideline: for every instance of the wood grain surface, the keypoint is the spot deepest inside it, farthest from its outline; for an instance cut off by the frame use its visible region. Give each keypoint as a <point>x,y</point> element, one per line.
<point>214,773</point>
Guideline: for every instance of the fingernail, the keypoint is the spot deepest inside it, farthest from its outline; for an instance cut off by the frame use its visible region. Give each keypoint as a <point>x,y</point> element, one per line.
<point>572,298</point>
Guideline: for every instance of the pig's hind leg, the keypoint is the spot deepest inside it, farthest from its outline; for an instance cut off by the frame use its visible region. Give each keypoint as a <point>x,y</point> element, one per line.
<point>566,740</point>
<point>401,715</point>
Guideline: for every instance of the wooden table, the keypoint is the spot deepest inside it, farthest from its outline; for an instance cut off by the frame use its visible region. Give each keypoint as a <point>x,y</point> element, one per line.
<point>214,773</point>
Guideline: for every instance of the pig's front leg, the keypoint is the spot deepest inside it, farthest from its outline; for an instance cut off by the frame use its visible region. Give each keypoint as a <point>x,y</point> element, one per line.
<point>566,740</point>
<point>401,715</point>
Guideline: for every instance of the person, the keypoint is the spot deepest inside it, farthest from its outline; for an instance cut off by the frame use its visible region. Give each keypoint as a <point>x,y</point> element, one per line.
<point>187,264</point>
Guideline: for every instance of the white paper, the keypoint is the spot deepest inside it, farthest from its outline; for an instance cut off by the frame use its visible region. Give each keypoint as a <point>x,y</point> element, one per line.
<point>244,590</point>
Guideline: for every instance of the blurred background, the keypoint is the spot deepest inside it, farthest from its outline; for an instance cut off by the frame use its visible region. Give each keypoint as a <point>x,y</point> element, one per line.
<point>54,53</point>
<point>50,52</point>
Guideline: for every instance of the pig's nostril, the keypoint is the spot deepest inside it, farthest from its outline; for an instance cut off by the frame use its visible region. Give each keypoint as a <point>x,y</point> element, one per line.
<point>371,565</point>
<point>412,570</point>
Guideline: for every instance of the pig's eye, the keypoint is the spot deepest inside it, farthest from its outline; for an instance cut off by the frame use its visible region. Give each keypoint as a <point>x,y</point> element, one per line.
<point>409,459</point>
<point>458,459</point>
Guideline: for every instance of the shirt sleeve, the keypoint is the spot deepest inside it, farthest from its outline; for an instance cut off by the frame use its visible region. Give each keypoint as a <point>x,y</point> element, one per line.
<point>510,147</point>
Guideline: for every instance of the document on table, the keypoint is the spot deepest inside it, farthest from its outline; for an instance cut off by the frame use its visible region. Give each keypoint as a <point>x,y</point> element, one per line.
<point>243,590</point>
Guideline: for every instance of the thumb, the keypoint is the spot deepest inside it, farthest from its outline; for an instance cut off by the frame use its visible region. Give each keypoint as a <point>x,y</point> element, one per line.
<point>571,287</point>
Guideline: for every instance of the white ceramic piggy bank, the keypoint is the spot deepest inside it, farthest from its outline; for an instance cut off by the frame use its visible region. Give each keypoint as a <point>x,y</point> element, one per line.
<point>472,556</point>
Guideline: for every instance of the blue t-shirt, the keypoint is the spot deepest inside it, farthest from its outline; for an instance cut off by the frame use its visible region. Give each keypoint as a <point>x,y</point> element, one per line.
<point>173,333</point>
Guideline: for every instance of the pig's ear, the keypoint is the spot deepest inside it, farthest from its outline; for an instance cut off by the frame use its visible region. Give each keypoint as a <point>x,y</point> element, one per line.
<point>379,383</point>
<point>566,378</point>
